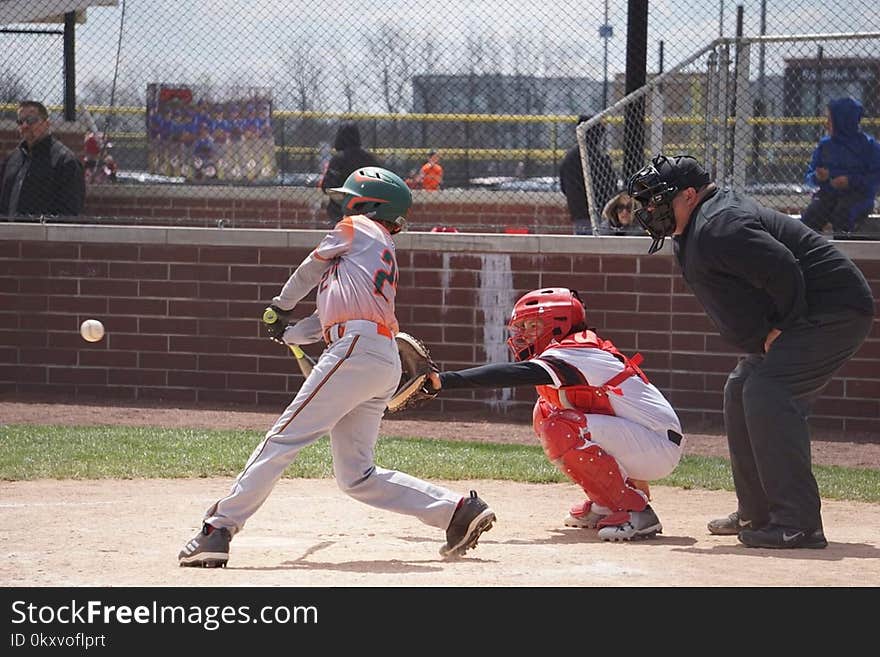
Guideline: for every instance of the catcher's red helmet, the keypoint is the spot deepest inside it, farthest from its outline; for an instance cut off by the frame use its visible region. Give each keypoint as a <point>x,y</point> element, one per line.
<point>541,316</point>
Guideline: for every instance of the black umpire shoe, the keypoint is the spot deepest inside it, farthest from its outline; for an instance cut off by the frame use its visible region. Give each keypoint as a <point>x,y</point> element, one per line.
<point>778,537</point>
<point>207,549</point>
<point>471,518</point>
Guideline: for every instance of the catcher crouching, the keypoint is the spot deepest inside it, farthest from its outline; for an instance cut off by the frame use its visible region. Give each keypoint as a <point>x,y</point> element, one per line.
<point>599,419</point>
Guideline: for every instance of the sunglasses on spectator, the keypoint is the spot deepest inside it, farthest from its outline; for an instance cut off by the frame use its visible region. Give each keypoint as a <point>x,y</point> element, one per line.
<point>628,206</point>
<point>28,120</point>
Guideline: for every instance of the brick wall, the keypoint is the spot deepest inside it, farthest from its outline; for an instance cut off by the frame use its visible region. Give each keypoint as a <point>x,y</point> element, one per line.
<point>181,308</point>
<point>303,207</point>
<point>468,210</point>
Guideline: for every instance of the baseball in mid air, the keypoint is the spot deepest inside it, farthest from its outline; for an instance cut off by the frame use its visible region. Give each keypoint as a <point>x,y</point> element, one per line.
<point>92,330</point>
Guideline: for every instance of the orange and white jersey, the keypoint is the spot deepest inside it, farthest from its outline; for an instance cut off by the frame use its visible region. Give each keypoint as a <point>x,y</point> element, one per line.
<point>355,270</point>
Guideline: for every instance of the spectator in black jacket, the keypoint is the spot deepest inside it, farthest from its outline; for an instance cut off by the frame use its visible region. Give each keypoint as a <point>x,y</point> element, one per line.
<point>348,157</point>
<point>796,305</point>
<point>571,178</point>
<point>42,176</point>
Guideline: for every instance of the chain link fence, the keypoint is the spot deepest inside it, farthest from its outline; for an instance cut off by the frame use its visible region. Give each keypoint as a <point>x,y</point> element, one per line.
<point>252,95</point>
<point>753,130</point>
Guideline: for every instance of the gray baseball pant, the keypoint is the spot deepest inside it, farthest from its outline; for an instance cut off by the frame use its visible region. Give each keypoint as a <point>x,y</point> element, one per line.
<point>345,396</point>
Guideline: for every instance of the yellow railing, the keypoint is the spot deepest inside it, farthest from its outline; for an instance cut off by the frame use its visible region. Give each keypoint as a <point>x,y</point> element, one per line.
<point>474,118</point>
<point>534,154</point>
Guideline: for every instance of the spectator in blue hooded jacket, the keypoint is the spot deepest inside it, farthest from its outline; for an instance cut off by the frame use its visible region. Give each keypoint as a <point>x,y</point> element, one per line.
<point>846,168</point>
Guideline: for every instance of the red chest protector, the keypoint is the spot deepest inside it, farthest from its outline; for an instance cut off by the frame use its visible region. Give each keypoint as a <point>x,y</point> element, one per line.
<point>592,398</point>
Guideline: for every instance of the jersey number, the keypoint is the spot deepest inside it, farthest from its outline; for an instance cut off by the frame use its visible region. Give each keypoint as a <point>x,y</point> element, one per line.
<point>331,271</point>
<point>383,276</point>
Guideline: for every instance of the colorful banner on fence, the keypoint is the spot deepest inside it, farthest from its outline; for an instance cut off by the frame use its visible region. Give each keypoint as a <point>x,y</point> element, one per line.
<point>210,137</point>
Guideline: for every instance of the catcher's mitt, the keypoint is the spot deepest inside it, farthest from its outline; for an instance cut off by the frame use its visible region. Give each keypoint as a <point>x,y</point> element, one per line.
<point>415,387</point>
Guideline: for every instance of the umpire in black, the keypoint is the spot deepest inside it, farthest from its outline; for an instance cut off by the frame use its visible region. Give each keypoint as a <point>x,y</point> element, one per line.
<point>793,303</point>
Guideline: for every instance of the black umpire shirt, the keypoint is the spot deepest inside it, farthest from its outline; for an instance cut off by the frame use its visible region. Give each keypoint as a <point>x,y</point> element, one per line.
<point>754,269</point>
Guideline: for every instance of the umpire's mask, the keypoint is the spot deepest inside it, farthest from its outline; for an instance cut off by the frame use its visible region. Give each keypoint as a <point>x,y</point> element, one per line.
<point>656,185</point>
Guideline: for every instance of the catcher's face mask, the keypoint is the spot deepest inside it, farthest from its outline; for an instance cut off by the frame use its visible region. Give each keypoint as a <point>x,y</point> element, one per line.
<point>540,317</point>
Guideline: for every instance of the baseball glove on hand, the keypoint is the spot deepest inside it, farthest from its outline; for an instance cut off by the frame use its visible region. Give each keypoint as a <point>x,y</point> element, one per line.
<point>415,388</point>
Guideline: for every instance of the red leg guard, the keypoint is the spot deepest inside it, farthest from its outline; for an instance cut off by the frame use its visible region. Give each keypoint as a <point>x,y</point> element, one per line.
<point>566,442</point>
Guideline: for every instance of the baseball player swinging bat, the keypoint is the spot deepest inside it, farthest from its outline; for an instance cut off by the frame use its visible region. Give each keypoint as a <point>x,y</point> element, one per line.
<point>305,362</point>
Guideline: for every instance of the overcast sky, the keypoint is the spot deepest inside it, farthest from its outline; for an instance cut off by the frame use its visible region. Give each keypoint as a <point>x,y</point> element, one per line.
<point>230,41</point>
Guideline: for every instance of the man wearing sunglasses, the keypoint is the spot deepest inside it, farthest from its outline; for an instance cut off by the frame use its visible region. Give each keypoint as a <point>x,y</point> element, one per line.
<point>41,176</point>
<point>793,303</point>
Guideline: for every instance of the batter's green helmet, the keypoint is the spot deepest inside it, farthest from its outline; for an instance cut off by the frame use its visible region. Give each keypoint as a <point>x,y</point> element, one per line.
<point>376,193</point>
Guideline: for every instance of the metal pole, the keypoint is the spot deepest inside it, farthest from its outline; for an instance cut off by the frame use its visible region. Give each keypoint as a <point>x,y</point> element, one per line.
<point>723,109</point>
<point>819,61</point>
<point>636,74</point>
<point>711,138</point>
<point>658,109</point>
<point>605,64</point>
<point>742,136</point>
<point>69,66</point>
<point>761,52</point>
<point>731,108</point>
<point>760,132</point>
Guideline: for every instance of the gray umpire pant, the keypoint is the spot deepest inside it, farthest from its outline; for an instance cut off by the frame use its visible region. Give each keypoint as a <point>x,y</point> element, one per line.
<point>767,400</point>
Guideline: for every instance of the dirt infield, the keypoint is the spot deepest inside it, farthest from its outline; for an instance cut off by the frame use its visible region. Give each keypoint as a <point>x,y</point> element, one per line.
<point>128,532</point>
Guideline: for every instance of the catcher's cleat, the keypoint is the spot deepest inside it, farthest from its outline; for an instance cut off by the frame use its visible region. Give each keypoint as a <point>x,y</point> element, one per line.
<point>471,518</point>
<point>585,515</point>
<point>627,525</point>
<point>730,526</point>
<point>207,549</point>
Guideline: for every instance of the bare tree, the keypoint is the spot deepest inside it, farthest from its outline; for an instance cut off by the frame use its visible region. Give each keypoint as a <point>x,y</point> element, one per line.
<point>482,62</point>
<point>555,59</point>
<point>390,54</point>
<point>207,86</point>
<point>99,91</point>
<point>102,102</point>
<point>305,73</point>
<point>12,87</point>
<point>347,83</point>
<point>426,55</point>
<point>425,84</point>
<point>482,53</point>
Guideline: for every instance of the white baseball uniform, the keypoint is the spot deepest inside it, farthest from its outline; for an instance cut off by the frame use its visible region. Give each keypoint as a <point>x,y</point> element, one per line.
<point>637,434</point>
<point>355,270</point>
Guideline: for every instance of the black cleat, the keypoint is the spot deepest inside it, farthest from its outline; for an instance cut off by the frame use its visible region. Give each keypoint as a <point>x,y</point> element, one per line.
<point>207,549</point>
<point>470,520</point>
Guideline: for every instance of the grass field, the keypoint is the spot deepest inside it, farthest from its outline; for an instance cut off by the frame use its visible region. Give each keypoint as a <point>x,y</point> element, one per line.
<point>100,452</point>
